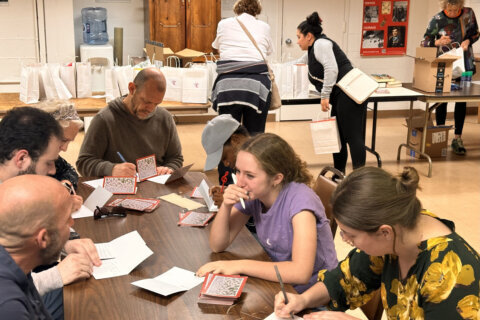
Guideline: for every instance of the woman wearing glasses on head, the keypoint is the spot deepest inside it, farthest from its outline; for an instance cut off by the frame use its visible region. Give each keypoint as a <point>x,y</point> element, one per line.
<point>423,268</point>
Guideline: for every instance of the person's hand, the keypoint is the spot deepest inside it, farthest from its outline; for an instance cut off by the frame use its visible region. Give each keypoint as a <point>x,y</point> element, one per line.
<point>77,202</point>
<point>124,169</point>
<point>296,303</point>
<point>329,315</point>
<point>443,41</point>
<point>74,267</point>
<point>164,170</point>
<point>83,246</point>
<point>464,45</point>
<point>227,267</point>
<point>232,195</point>
<point>217,195</point>
<point>325,103</point>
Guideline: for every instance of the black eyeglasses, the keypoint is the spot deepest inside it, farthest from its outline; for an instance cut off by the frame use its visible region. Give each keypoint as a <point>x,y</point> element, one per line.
<point>104,212</point>
<point>69,187</point>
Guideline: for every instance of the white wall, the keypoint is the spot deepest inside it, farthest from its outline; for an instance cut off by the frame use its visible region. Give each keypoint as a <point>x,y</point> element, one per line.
<point>125,14</point>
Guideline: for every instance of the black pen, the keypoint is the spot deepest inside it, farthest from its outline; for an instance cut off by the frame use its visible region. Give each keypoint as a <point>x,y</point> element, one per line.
<point>279,277</point>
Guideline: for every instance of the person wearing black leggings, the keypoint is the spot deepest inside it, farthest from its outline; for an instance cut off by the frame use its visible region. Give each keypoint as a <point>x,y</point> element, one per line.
<point>327,64</point>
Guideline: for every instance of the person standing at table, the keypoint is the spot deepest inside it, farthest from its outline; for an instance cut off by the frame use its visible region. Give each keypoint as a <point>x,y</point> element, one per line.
<point>35,221</point>
<point>423,268</point>
<point>455,23</point>
<point>327,62</point>
<point>67,117</point>
<point>242,87</point>
<point>135,127</point>
<point>273,188</point>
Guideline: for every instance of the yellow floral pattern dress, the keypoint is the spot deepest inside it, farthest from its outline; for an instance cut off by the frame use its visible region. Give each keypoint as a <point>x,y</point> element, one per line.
<point>444,282</point>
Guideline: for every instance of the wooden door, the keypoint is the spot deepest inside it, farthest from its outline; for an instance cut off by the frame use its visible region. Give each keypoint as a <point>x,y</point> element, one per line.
<point>202,19</point>
<point>167,23</point>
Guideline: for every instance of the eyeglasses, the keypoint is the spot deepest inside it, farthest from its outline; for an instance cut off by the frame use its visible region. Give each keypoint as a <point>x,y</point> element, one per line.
<point>103,212</point>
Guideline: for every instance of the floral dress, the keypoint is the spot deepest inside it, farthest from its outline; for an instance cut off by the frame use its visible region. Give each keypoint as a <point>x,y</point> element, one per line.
<point>443,283</point>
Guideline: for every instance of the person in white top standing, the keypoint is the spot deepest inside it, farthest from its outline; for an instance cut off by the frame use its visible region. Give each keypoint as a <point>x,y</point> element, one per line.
<point>243,87</point>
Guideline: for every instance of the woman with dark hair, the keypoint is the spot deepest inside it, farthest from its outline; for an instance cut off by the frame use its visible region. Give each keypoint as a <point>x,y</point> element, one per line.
<point>289,217</point>
<point>243,87</point>
<point>423,268</point>
<point>455,23</point>
<point>327,64</point>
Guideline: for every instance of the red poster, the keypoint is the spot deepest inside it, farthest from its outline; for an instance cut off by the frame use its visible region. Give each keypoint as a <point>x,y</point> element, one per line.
<point>384,28</point>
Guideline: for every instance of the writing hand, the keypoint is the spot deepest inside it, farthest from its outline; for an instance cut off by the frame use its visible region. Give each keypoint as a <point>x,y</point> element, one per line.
<point>74,267</point>
<point>124,169</point>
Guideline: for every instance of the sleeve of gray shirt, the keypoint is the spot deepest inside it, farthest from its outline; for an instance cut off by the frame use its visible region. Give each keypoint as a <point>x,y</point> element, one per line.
<point>47,280</point>
<point>323,51</point>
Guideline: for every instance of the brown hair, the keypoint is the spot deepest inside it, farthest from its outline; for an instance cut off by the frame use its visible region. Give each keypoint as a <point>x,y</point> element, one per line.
<point>252,7</point>
<point>370,197</point>
<point>275,155</point>
<point>443,3</point>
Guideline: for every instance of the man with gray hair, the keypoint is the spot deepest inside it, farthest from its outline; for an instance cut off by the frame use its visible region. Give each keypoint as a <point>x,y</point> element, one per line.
<point>35,221</point>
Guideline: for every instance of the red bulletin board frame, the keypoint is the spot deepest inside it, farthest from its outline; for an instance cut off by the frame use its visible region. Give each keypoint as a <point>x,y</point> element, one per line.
<point>380,18</point>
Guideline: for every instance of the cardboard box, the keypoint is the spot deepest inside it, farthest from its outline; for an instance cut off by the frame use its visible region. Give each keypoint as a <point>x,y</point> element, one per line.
<point>154,51</point>
<point>432,73</point>
<point>436,144</point>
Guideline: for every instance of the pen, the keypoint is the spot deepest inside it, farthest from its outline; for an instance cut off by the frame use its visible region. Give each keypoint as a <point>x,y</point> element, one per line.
<point>279,277</point>
<point>224,180</point>
<point>234,178</point>
<point>121,157</point>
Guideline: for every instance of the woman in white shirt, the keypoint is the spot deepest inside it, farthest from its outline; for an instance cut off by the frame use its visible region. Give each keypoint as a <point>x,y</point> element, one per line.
<point>242,87</point>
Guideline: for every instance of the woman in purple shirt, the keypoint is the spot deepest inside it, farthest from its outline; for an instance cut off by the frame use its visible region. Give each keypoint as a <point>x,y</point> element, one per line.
<point>290,218</point>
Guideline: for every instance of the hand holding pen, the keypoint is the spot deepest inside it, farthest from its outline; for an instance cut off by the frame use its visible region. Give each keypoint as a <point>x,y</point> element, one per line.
<point>234,194</point>
<point>125,169</point>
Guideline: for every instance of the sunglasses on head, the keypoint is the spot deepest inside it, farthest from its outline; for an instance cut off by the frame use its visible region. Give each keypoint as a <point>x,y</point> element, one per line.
<point>104,212</point>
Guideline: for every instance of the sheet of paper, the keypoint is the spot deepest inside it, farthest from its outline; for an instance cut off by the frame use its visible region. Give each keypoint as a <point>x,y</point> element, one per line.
<point>174,280</point>
<point>94,183</point>
<point>196,193</point>
<point>98,197</point>
<point>128,251</point>
<point>181,201</point>
<point>203,189</point>
<point>104,251</point>
<point>160,179</point>
<point>274,317</point>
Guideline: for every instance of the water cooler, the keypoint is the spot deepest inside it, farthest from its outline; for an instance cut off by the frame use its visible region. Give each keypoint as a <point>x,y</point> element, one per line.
<point>100,57</point>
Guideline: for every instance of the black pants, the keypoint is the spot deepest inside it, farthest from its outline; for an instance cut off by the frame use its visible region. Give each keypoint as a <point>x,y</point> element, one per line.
<point>253,121</point>
<point>350,117</point>
<point>458,114</point>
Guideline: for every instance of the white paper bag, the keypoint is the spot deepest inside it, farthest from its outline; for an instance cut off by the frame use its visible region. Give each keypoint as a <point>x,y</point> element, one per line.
<point>174,77</point>
<point>194,85</point>
<point>325,136</point>
<point>67,74</point>
<point>46,84</point>
<point>29,86</point>
<point>459,64</point>
<point>60,87</point>
<point>84,79</point>
<point>300,81</point>
<point>124,76</point>
<point>112,91</point>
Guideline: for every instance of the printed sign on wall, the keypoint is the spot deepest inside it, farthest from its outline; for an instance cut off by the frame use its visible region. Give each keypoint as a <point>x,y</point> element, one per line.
<point>384,27</point>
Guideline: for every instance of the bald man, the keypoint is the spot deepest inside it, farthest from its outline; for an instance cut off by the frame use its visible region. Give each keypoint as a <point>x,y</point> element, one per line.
<point>35,221</point>
<point>135,127</point>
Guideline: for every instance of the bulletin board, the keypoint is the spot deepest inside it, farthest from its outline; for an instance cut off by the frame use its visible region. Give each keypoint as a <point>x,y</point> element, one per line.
<point>384,27</point>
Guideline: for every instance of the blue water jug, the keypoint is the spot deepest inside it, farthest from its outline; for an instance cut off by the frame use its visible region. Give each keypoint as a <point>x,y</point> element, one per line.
<point>94,21</point>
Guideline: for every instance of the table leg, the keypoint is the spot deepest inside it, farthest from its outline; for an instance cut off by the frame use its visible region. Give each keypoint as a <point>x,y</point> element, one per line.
<point>374,134</point>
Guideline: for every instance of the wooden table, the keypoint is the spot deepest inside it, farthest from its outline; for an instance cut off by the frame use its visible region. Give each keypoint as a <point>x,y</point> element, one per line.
<point>468,94</point>
<point>184,247</point>
<point>87,107</point>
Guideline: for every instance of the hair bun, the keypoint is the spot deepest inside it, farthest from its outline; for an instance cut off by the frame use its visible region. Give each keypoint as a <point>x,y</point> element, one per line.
<point>409,179</point>
<point>314,19</point>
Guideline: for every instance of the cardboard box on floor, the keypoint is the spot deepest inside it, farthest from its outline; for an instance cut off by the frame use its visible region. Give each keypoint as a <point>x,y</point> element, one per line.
<point>436,144</point>
<point>432,73</point>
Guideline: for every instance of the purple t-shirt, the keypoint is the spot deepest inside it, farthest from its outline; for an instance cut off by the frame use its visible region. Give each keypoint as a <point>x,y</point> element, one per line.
<point>275,229</point>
